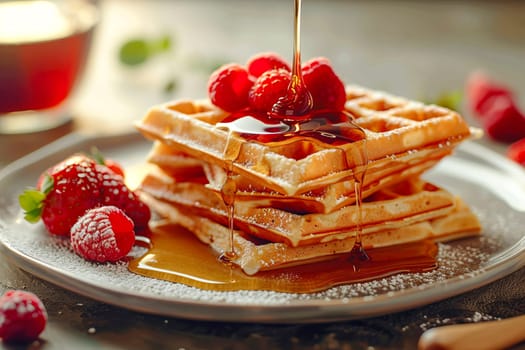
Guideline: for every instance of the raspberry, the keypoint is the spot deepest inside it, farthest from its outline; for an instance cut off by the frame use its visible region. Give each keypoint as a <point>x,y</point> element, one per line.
<point>71,188</point>
<point>115,192</point>
<point>103,234</point>
<point>516,152</point>
<point>268,88</point>
<point>22,316</point>
<point>328,91</point>
<point>263,62</point>
<point>228,87</point>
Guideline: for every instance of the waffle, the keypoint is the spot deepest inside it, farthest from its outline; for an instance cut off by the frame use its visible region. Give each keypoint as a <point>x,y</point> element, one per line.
<point>323,200</point>
<point>295,199</point>
<point>393,207</point>
<point>397,131</point>
<point>254,255</point>
<point>177,164</point>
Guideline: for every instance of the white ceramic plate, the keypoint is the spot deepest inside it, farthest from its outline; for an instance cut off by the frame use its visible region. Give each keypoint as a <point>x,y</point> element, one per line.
<point>491,185</point>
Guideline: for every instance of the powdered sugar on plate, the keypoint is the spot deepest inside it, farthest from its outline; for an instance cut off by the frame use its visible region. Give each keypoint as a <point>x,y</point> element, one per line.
<point>461,260</point>
<point>463,265</point>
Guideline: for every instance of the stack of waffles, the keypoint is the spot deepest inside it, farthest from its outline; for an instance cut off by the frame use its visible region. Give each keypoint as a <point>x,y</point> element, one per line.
<point>295,202</point>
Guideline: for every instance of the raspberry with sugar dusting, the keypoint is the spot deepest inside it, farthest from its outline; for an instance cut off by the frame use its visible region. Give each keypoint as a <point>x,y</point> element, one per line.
<point>22,316</point>
<point>103,234</point>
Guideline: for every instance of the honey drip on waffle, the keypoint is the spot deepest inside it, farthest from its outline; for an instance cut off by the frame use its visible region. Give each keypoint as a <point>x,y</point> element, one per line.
<point>298,100</point>
<point>228,192</point>
<point>292,120</point>
<point>177,255</point>
<point>358,253</point>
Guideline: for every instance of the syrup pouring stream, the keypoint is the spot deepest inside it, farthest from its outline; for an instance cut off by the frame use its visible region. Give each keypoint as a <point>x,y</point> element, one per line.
<point>486,335</point>
<point>292,116</point>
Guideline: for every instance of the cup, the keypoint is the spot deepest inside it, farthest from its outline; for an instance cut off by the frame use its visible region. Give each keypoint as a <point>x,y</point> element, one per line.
<point>44,46</point>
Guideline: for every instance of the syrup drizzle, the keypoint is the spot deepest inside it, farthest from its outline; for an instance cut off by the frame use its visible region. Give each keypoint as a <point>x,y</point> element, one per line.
<point>228,192</point>
<point>176,255</point>
<point>298,100</point>
<point>358,253</point>
<point>292,120</point>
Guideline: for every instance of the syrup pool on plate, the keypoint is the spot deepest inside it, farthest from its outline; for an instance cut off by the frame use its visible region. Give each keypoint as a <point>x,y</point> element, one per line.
<point>177,255</point>
<point>44,45</point>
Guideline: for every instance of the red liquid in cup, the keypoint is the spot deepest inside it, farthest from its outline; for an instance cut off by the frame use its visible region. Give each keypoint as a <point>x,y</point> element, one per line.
<point>40,65</point>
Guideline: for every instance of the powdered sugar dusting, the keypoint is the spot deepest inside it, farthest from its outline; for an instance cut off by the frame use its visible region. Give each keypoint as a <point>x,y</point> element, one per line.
<point>460,260</point>
<point>436,321</point>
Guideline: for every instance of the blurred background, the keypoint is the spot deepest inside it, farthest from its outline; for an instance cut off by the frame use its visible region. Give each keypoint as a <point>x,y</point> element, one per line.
<point>417,49</point>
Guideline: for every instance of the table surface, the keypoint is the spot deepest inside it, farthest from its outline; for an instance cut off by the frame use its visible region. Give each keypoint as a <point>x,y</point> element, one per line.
<point>415,49</point>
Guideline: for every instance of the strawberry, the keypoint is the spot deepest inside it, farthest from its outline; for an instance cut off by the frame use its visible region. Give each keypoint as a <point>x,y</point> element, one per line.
<point>70,188</point>
<point>516,151</point>
<point>66,192</point>
<point>22,316</point>
<point>114,167</point>
<point>495,107</point>
<point>110,163</point>
<point>103,234</point>
<point>228,87</point>
<point>481,92</point>
<point>268,88</point>
<point>328,91</point>
<point>263,62</point>
<point>503,121</point>
<point>114,191</point>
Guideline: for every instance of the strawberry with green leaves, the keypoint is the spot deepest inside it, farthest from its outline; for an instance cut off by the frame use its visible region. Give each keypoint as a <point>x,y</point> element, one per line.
<point>63,194</point>
<point>110,163</point>
<point>67,190</point>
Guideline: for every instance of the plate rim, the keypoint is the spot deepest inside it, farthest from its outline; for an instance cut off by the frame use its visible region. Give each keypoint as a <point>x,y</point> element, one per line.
<point>304,311</point>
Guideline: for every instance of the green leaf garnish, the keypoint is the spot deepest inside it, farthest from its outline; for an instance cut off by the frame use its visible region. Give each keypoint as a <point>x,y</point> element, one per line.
<point>134,52</point>
<point>138,50</point>
<point>170,86</point>
<point>47,184</point>
<point>31,201</point>
<point>97,156</point>
<point>163,44</point>
<point>450,100</point>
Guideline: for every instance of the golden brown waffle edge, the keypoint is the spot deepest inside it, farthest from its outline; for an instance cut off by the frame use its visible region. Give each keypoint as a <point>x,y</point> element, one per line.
<point>397,130</point>
<point>253,255</point>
